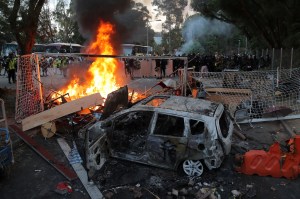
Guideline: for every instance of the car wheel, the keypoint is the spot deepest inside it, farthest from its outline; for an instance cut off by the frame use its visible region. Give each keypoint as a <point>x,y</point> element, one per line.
<point>192,167</point>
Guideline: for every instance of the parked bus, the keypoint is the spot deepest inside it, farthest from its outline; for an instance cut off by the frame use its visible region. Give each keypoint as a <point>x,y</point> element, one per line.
<point>138,50</point>
<point>38,48</point>
<point>8,48</point>
<point>63,48</point>
<point>13,47</point>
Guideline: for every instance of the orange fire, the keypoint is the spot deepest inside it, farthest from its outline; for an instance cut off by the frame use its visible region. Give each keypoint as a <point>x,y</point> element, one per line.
<point>102,72</point>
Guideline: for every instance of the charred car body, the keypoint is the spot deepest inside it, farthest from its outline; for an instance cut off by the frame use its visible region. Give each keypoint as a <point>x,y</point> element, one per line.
<point>165,131</point>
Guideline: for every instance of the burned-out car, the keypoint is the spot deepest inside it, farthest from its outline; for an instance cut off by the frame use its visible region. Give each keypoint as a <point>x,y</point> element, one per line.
<point>166,131</point>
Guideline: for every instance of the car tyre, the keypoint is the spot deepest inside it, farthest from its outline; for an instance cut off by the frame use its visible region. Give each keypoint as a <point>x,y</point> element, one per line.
<point>192,167</point>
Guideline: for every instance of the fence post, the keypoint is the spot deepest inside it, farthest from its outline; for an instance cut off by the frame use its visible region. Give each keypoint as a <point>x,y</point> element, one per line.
<point>292,55</point>
<point>185,74</point>
<point>273,54</point>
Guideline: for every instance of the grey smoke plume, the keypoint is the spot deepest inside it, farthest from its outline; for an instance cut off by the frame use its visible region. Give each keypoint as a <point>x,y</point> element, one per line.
<point>90,12</point>
<point>200,27</point>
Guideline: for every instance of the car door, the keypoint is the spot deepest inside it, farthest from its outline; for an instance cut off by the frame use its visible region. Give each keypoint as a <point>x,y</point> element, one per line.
<point>129,134</point>
<point>198,138</point>
<point>166,144</point>
<point>224,127</point>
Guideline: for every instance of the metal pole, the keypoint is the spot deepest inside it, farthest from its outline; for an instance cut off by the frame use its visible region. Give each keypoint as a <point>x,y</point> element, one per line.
<point>170,40</point>
<point>147,37</point>
<point>246,45</point>
<point>292,55</point>
<point>273,54</point>
<point>185,74</point>
<point>280,59</point>
<point>279,68</point>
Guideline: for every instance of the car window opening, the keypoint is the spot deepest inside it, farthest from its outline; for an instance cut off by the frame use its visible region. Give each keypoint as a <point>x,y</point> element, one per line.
<point>197,127</point>
<point>224,124</point>
<point>169,125</point>
<point>130,131</point>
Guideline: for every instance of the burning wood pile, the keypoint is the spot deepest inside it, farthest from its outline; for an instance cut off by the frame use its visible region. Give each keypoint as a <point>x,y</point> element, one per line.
<point>82,100</point>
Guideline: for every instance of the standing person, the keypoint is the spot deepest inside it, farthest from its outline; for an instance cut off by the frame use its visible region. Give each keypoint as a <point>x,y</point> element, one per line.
<point>56,64</point>
<point>12,65</point>
<point>44,66</point>
<point>5,65</point>
<point>158,66</point>
<point>163,66</point>
<point>64,66</point>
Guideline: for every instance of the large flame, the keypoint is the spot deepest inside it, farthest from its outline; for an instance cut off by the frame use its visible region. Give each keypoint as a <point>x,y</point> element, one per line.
<point>101,73</point>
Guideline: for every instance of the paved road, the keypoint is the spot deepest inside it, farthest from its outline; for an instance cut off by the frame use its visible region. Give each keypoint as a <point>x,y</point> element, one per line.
<point>4,82</point>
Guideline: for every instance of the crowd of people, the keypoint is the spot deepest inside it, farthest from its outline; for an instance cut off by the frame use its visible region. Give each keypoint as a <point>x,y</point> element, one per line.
<point>8,65</point>
<point>219,62</point>
<point>58,64</point>
<point>211,63</point>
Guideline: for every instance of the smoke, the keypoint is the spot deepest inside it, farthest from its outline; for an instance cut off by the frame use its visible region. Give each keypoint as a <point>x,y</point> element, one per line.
<point>198,28</point>
<point>90,12</point>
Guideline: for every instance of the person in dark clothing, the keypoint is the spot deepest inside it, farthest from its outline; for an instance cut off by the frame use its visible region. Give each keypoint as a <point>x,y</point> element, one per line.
<point>163,66</point>
<point>158,66</point>
<point>12,65</point>
<point>5,65</point>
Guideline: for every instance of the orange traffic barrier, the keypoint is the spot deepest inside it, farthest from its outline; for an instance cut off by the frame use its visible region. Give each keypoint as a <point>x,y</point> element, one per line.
<point>274,162</point>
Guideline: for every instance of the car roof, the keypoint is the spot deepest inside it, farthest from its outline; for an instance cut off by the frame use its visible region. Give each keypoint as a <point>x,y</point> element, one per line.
<point>181,103</point>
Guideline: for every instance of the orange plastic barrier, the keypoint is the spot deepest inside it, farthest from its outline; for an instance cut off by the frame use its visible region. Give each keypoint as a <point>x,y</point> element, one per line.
<point>274,162</point>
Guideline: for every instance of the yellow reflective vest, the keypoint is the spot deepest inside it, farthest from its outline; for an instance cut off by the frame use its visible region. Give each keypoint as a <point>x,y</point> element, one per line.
<point>12,64</point>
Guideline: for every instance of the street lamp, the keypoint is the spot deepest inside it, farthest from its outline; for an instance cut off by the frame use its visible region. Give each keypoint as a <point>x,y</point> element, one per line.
<point>148,33</point>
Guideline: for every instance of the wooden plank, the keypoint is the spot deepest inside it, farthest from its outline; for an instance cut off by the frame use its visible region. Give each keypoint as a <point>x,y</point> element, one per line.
<point>50,158</point>
<point>91,188</point>
<point>229,90</point>
<point>61,110</point>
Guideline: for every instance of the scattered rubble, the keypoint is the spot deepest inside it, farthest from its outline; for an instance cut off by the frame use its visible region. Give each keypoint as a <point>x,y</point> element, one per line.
<point>117,179</point>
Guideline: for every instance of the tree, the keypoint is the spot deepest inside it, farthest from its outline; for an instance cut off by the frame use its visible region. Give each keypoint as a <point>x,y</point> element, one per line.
<point>46,31</point>
<point>23,21</point>
<point>173,10</point>
<point>273,23</point>
<point>5,33</point>
<point>64,16</point>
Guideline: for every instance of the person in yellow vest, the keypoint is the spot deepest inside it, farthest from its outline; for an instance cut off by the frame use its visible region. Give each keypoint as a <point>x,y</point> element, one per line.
<point>56,64</point>
<point>64,66</point>
<point>12,66</point>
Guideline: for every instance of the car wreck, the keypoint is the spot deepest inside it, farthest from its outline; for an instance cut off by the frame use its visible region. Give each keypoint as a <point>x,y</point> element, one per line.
<point>172,132</point>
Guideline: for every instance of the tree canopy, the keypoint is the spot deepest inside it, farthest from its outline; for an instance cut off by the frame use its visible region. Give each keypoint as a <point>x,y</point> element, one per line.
<point>173,10</point>
<point>5,33</point>
<point>23,21</point>
<point>273,23</point>
<point>67,27</point>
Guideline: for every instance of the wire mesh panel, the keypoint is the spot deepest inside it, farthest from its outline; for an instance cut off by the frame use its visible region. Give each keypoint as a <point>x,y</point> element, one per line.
<point>28,93</point>
<point>260,94</point>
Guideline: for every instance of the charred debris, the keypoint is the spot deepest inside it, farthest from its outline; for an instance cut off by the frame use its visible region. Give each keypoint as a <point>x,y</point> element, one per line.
<point>90,129</point>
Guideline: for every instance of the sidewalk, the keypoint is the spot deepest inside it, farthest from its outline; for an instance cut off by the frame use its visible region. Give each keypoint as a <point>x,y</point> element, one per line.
<point>4,83</point>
